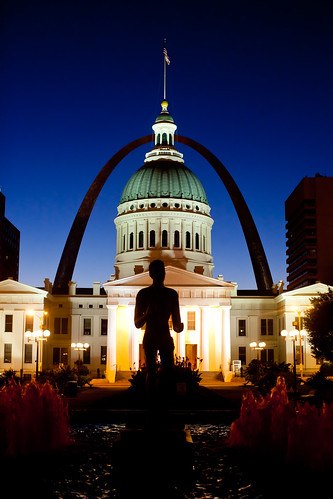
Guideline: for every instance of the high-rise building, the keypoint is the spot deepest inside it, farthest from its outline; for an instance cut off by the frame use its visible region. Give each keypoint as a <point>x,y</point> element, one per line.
<point>309,217</point>
<point>9,245</point>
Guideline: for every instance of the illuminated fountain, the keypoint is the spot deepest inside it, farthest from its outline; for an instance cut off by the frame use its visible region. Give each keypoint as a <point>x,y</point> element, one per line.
<point>296,434</point>
<point>33,420</point>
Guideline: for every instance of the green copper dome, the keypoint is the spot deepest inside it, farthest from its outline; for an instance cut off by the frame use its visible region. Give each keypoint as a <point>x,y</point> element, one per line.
<point>163,116</point>
<point>164,179</point>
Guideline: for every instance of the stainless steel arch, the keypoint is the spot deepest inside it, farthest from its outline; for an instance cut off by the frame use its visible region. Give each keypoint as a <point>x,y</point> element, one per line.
<point>71,249</point>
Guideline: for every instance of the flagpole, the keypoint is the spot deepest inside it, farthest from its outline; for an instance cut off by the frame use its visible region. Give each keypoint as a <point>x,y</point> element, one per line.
<point>164,92</point>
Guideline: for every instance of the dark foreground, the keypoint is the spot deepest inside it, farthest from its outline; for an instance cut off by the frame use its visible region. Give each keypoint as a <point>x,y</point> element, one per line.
<point>89,467</point>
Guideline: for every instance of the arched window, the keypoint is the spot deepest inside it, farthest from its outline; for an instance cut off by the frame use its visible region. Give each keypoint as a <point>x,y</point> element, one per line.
<point>131,241</point>
<point>170,139</point>
<point>164,238</point>
<point>188,240</point>
<point>197,241</point>
<point>164,139</point>
<point>204,243</point>
<point>176,239</point>
<point>124,242</point>
<point>140,242</point>
<point>152,238</point>
<point>158,139</point>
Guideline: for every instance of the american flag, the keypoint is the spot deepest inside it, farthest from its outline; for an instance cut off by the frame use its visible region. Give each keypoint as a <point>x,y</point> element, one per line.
<point>166,57</point>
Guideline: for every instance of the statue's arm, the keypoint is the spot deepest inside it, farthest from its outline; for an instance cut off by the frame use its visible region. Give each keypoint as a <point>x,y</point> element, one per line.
<point>140,314</point>
<point>177,325</point>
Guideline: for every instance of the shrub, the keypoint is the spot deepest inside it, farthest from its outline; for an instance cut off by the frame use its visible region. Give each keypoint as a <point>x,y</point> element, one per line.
<point>7,376</point>
<point>264,374</point>
<point>182,373</point>
<point>59,377</point>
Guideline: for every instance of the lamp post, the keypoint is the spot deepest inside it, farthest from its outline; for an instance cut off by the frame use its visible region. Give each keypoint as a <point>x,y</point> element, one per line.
<point>38,337</point>
<point>301,334</point>
<point>258,347</point>
<point>80,347</point>
<point>293,335</point>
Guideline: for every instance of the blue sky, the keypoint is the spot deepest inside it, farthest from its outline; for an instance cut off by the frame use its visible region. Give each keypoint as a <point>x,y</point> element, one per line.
<point>251,81</point>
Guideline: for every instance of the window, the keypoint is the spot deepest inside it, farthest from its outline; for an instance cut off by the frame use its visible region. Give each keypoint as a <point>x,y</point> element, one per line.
<point>188,240</point>
<point>196,241</point>
<point>164,139</point>
<point>164,238</point>
<point>60,325</point>
<point>267,355</point>
<point>176,239</point>
<point>191,321</point>
<point>60,355</point>
<point>124,242</point>
<point>266,327</point>
<point>29,323</point>
<point>204,243</point>
<point>152,238</point>
<point>104,327</point>
<point>131,241</point>
<point>241,327</point>
<point>103,354</point>
<point>91,306</point>
<point>87,327</point>
<point>8,323</point>
<point>28,353</point>
<point>140,242</point>
<point>242,355</point>
<point>86,356</point>
<point>296,323</point>
<point>7,353</point>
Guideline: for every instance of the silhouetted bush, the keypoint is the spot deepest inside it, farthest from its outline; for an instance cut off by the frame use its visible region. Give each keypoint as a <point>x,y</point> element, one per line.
<point>263,375</point>
<point>7,376</point>
<point>59,377</point>
<point>182,372</point>
<point>322,386</point>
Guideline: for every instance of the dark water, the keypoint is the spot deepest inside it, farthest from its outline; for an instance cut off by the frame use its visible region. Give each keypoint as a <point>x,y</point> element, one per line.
<point>89,472</point>
<point>86,470</point>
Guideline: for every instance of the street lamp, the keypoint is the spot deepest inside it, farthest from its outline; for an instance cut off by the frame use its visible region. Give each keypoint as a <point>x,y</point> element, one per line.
<point>301,334</point>
<point>293,335</point>
<point>38,337</point>
<point>258,347</point>
<point>80,347</point>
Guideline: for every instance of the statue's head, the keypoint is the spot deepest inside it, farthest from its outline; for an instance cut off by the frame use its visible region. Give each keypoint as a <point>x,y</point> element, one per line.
<point>157,271</point>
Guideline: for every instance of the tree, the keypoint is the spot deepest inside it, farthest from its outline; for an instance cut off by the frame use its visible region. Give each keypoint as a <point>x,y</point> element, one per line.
<point>318,321</point>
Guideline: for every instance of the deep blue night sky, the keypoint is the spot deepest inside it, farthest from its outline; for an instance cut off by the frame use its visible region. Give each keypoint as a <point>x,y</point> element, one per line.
<point>252,81</point>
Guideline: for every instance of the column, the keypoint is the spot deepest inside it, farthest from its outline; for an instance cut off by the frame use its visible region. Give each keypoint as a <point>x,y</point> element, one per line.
<point>218,338</point>
<point>226,344</point>
<point>205,338</point>
<point>111,357</point>
<point>133,347</point>
<point>180,337</point>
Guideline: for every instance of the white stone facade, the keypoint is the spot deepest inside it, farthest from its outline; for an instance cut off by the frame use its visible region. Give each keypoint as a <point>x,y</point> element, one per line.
<point>220,323</point>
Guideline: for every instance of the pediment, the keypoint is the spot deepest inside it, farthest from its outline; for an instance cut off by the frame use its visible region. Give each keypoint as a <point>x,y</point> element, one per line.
<point>173,277</point>
<point>9,286</point>
<point>313,289</point>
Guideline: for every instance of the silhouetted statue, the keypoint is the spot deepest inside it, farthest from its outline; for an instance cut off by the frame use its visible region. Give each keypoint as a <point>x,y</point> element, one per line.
<point>154,306</point>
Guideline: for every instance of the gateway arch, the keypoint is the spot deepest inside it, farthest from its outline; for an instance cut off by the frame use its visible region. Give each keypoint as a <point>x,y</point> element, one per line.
<point>71,249</point>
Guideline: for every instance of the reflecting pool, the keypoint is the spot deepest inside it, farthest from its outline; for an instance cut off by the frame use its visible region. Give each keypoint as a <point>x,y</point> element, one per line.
<point>85,470</point>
